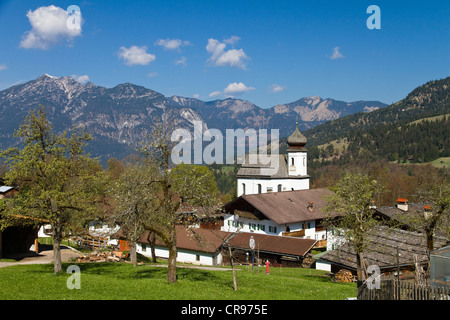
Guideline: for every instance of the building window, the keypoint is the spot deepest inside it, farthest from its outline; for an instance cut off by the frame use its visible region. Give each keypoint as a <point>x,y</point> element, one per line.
<point>304,161</point>
<point>259,188</point>
<point>243,188</point>
<point>292,161</point>
<point>279,188</point>
<point>144,247</point>
<point>197,257</point>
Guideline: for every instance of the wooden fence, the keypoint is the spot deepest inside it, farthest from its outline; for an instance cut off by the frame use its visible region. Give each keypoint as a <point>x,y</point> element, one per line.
<point>395,290</point>
<point>92,242</point>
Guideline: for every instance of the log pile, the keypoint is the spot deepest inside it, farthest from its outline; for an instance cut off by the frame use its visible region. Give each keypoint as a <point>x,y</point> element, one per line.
<point>100,256</point>
<point>308,262</point>
<point>343,275</point>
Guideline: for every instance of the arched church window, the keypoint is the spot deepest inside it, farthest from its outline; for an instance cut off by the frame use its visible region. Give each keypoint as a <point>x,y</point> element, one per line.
<point>259,188</point>
<point>279,188</point>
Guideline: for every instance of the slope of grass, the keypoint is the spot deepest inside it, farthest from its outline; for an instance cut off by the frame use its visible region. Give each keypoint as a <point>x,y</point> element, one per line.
<point>119,281</point>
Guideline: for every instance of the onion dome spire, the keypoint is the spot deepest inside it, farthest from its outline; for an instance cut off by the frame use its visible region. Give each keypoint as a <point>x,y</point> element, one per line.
<point>296,139</point>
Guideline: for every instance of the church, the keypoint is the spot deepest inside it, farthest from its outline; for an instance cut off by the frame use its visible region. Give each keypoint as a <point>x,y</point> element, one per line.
<point>279,201</point>
<point>287,174</point>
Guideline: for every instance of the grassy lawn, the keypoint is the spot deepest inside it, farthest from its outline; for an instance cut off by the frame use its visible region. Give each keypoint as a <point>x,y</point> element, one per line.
<point>119,281</point>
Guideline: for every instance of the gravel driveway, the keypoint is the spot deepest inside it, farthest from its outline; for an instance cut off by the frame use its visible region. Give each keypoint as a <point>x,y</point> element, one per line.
<point>45,256</point>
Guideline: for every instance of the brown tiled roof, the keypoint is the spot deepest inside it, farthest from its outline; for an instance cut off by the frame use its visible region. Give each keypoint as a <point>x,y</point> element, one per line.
<point>273,244</point>
<point>286,206</point>
<point>210,241</point>
<point>196,239</point>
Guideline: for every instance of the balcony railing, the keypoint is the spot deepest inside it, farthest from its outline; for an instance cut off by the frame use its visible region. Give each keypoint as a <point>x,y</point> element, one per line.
<point>298,233</point>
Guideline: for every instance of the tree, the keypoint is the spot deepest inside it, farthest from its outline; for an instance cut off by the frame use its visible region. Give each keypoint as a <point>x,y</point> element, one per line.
<point>432,189</point>
<point>58,182</point>
<point>349,210</point>
<point>192,184</point>
<point>133,196</point>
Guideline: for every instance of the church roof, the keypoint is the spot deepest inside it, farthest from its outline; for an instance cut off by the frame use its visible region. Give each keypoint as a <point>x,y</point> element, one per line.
<point>277,168</point>
<point>296,139</point>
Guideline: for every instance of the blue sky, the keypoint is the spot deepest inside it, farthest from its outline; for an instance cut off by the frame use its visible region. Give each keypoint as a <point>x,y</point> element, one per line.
<point>267,52</point>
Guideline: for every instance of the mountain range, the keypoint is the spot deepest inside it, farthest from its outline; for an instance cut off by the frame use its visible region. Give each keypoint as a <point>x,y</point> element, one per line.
<point>415,129</point>
<point>119,118</point>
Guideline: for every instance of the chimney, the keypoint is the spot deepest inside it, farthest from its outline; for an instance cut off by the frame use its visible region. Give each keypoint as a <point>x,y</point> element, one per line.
<point>426,211</point>
<point>402,204</point>
<point>311,206</point>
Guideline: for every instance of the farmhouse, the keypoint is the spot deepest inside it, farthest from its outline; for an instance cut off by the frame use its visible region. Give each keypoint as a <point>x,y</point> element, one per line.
<point>14,239</point>
<point>382,251</point>
<point>210,247</point>
<point>289,213</point>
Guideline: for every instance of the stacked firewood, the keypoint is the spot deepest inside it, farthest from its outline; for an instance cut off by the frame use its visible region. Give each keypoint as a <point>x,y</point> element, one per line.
<point>308,262</point>
<point>343,275</point>
<point>100,256</point>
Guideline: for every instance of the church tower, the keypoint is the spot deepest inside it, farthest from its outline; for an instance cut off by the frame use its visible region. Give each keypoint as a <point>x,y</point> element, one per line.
<point>297,154</point>
<point>291,172</point>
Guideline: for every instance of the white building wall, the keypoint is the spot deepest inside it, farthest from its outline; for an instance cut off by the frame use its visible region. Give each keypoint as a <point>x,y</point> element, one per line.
<point>184,256</point>
<point>323,265</point>
<point>270,185</point>
<point>334,238</point>
<point>231,224</point>
<point>297,163</point>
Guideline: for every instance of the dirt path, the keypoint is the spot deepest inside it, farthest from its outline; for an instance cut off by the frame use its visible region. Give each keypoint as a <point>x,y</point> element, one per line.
<point>45,256</point>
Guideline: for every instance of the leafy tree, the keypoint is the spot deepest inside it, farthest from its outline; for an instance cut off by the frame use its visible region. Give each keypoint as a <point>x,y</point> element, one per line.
<point>349,210</point>
<point>59,183</point>
<point>192,184</point>
<point>195,184</point>
<point>133,196</point>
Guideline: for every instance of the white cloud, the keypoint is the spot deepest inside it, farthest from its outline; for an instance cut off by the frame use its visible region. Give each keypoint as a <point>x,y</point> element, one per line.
<point>182,61</point>
<point>275,88</point>
<point>232,40</point>
<point>234,89</point>
<point>49,26</point>
<point>196,96</point>
<point>215,94</point>
<point>81,79</point>
<point>172,44</point>
<point>136,55</point>
<point>2,67</point>
<point>220,57</point>
<point>336,54</point>
<point>152,74</point>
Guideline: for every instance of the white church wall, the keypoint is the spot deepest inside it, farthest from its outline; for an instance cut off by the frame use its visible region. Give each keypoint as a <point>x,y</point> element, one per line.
<point>270,185</point>
<point>297,163</point>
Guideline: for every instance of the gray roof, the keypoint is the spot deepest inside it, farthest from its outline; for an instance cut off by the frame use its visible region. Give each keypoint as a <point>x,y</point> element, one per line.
<point>398,214</point>
<point>4,189</point>
<point>257,168</point>
<point>382,249</point>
